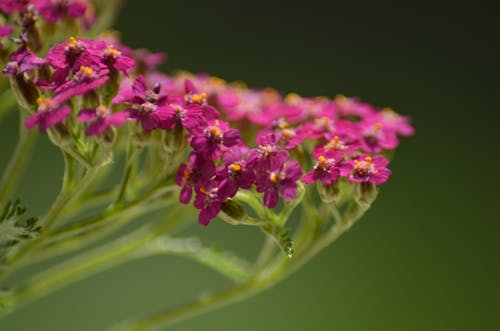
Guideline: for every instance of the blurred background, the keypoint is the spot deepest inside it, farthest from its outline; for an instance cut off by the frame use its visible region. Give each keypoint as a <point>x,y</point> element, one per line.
<point>426,257</point>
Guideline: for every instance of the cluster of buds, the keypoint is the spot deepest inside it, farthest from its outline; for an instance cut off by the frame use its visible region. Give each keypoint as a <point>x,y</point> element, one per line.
<point>230,137</point>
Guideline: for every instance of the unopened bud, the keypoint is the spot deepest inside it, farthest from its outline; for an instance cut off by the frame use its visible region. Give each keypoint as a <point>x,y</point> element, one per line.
<point>330,193</point>
<point>25,91</point>
<point>365,194</point>
<point>234,210</point>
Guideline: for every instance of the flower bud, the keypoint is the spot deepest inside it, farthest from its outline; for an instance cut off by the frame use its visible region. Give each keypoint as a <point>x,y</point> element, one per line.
<point>25,91</point>
<point>60,135</point>
<point>365,194</point>
<point>234,210</point>
<point>330,193</point>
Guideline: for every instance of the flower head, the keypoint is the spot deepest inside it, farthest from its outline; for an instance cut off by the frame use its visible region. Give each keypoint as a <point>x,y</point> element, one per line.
<point>327,171</point>
<point>209,199</point>
<point>195,173</point>
<point>214,138</point>
<point>48,114</point>
<point>54,10</point>
<point>279,180</point>
<point>366,168</point>
<point>101,119</point>
<point>235,171</point>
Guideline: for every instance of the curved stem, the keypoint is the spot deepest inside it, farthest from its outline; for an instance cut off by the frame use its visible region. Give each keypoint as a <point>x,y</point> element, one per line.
<point>17,163</point>
<point>70,191</point>
<point>274,273</point>
<point>133,153</point>
<point>141,243</point>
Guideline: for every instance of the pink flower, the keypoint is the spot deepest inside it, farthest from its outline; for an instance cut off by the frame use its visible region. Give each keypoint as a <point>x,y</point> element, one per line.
<point>75,53</point>
<point>279,180</point>
<point>209,199</point>
<point>260,158</point>
<point>365,169</point>
<point>376,137</point>
<point>13,6</point>
<point>5,31</point>
<point>342,144</point>
<point>101,119</point>
<point>193,97</point>
<point>147,105</point>
<point>235,171</point>
<point>395,122</point>
<point>22,61</point>
<point>326,170</point>
<point>54,10</point>
<point>215,138</point>
<point>49,114</point>
<point>113,58</point>
<point>194,174</point>
<point>84,80</point>
<point>187,116</point>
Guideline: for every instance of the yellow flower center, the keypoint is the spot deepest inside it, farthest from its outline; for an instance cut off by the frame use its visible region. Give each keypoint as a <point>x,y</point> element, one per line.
<point>112,52</point>
<point>86,71</point>
<point>235,167</point>
<point>44,103</point>
<point>274,178</point>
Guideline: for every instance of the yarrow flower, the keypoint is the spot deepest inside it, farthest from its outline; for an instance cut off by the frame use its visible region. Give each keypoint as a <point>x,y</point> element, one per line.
<point>54,10</point>
<point>48,115</point>
<point>368,169</point>
<point>101,119</point>
<point>327,171</point>
<point>279,180</point>
<point>237,138</point>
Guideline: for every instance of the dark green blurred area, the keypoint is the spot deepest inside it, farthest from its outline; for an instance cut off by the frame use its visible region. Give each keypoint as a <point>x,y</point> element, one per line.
<point>426,257</point>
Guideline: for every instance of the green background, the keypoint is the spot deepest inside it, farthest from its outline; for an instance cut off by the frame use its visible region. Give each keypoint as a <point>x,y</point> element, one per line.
<point>426,257</point>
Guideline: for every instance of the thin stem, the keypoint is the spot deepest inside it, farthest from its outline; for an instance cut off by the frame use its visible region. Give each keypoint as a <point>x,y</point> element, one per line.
<point>133,153</point>
<point>17,163</point>
<point>267,278</point>
<point>69,192</point>
<point>141,243</point>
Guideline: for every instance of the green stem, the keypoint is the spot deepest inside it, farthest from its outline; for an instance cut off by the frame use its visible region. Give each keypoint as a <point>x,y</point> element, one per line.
<point>17,163</point>
<point>133,153</point>
<point>142,243</point>
<point>264,280</point>
<point>69,192</point>
<point>84,232</point>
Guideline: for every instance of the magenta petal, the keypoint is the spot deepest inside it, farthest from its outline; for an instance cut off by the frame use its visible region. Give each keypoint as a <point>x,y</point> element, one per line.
<point>86,115</point>
<point>32,121</point>
<point>271,198</point>
<point>309,178</point>
<point>185,195</point>
<point>118,118</point>
<point>381,176</point>
<point>97,127</point>
<point>289,191</point>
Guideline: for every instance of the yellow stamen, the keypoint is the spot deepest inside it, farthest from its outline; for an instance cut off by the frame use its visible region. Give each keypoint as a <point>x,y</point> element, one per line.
<point>44,103</point>
<point>368,159</point>
<point>377,127</point>
<point>215,131</point>
<point>283,125</point>
<point>112,52</point>
<point>101,111</point>
<point>73,42</point>
<point>87,71</point>
<point>274,178</point>
<point>235,167</point>
<point>203,190</point>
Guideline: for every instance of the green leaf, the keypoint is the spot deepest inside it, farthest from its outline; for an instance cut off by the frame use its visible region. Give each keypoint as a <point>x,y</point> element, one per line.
<point>15,228</point>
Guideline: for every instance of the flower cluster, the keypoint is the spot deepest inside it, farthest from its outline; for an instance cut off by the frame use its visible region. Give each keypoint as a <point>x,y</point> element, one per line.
<point>239,138</point>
